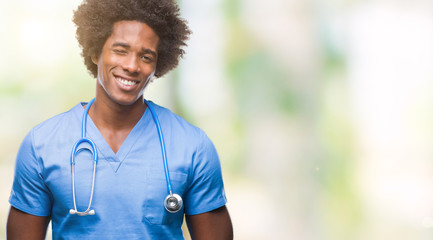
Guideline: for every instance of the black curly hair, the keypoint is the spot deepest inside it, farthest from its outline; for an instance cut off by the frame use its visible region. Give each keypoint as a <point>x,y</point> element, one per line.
<point>95,19</point>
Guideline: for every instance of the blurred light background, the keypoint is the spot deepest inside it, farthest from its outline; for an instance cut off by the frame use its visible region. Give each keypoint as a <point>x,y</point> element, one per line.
<point>321,110</point>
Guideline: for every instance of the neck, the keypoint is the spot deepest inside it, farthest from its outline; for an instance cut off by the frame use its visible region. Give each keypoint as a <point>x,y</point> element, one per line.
<point>110,115</point>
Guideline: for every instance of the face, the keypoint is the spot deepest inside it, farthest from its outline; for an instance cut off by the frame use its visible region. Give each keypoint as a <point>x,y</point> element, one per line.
<point>127,62</point>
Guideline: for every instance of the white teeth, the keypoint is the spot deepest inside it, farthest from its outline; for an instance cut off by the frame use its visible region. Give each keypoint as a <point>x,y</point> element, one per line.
<point>126,82</point>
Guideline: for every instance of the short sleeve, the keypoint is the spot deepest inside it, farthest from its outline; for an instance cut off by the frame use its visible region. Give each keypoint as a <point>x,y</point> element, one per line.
<point>29,193</point>
<point>206,191</point>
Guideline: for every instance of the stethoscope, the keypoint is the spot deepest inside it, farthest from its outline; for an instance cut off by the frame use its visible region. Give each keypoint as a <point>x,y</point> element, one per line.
<point>172,203</point>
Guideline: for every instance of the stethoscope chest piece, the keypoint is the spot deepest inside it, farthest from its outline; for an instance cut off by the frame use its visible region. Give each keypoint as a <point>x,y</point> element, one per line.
<point>173,203</point>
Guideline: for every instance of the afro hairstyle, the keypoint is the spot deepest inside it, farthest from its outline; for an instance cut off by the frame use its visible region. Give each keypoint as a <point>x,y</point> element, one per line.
<point>95,20</point>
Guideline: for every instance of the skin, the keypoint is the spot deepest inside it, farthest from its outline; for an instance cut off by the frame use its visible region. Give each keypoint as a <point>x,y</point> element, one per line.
<point>130,53</point>
<point>213,225</point>
<point>21,225</point>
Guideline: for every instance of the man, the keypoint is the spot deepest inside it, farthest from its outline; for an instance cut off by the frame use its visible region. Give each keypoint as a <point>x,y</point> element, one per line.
<point>125,43</point>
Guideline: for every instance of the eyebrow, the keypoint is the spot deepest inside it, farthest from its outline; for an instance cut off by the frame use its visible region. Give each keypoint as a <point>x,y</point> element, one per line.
<point>127,46</point>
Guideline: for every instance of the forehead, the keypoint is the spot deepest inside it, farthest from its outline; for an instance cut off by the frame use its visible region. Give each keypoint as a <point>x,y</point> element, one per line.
<point>135,34</point>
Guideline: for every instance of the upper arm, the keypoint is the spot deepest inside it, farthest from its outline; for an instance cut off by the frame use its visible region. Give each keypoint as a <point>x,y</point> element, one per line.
<point>211,225</point>
<point>206,189</point>
<point>21,225</point>
<point>30,199</point>
<point>205,211</point>
<point>29,192</point>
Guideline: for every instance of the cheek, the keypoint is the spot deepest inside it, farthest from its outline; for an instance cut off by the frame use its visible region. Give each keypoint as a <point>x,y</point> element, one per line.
<point>104,66</point>
<point>102,77</point>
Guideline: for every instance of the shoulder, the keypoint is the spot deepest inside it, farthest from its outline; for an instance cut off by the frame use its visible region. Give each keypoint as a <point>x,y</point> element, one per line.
<point>49,128</point>
<point>177,124</point>
<point>181,131</point>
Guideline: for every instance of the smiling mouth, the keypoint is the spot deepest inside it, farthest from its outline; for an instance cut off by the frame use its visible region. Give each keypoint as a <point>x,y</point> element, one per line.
<point>126,82</point>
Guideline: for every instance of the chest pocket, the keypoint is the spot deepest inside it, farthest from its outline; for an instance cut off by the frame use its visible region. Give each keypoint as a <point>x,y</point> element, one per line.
<point>156,192</point>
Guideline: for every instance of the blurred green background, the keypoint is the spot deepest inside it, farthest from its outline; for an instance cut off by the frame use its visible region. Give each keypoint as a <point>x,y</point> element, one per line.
<point>321,110</point>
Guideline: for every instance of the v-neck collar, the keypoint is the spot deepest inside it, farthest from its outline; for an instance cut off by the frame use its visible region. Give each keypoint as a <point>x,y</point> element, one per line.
<point>104,150</point>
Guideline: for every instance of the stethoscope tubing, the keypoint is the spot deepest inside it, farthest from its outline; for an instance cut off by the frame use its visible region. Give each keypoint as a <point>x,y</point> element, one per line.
<point>162,142</point>
<point>173,202</point>
<point>95,161</point>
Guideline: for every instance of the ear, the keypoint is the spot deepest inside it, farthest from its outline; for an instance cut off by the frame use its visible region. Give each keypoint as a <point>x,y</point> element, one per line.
<point>94,60</point>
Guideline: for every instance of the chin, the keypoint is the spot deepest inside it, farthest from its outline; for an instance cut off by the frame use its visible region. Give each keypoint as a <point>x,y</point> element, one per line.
<point>126,101</point>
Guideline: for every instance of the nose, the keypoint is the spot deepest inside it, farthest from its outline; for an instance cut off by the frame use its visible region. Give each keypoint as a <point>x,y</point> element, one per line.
<point>130,64</point>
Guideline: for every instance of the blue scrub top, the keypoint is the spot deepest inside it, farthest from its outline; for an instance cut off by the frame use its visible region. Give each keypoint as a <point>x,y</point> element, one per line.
<point>130,186</point>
